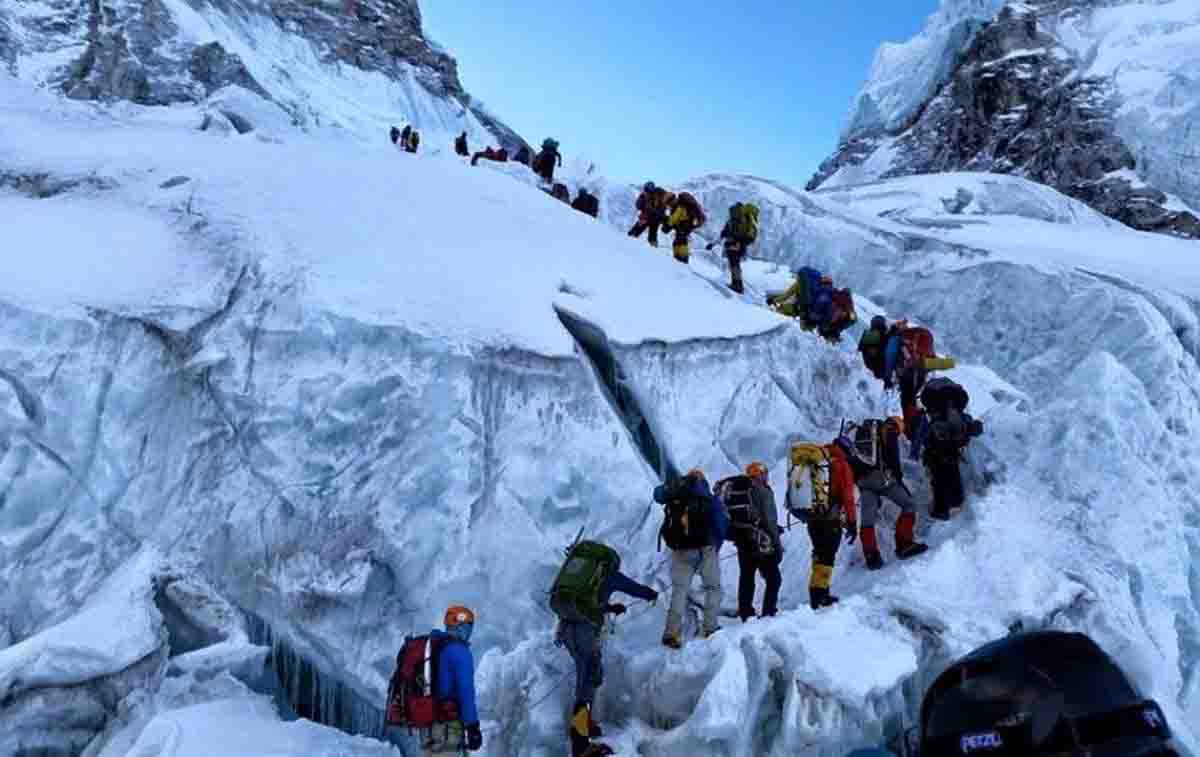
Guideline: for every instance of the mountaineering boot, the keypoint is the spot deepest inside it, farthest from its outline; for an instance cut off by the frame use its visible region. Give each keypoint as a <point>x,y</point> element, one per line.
<point>818,586</point>
<point>906,546</point>
<point>672,641</point>
<point>598,750</point>
<point>581,718</point>
<point>870,545</point>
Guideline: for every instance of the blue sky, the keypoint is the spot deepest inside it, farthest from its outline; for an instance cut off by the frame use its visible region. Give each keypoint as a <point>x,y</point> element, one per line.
<point>667,90</point>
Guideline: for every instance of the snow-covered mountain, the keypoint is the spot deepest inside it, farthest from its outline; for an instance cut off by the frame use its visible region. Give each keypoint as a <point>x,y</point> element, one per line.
<point>354,65</point>
<point>269,401</point>
<point>1096,99</point>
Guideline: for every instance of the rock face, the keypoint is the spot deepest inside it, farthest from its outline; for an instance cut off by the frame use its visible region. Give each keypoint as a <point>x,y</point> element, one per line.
<point>1020,101</point>
<point>153,52</point>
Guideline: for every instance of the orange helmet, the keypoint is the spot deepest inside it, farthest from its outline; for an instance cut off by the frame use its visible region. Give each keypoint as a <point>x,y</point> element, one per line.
<point>695,473</point>
<point>458,615</point>
<point>756,469</point>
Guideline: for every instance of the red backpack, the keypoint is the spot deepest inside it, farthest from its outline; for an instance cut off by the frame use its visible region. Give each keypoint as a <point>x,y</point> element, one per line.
<point>918,345</point>
<point>411,701</point>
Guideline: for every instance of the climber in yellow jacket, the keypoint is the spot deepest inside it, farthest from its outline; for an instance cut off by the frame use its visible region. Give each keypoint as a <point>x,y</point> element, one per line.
<point>685,216</point>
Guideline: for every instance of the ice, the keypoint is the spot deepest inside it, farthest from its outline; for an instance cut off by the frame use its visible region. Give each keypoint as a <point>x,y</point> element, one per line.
<point>344,396</point>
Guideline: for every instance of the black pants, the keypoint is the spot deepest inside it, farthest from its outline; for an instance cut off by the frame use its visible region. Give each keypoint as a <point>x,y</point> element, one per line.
<point>642,225</point>
<point>946,480</point>
<point>749,563</point>
<point>826,536</point>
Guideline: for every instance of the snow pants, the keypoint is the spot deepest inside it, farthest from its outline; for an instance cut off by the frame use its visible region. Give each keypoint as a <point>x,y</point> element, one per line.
<point>681,247</point>
<point>946,479</point>
<point>750,564</point>
<point>650,223</point>
<point>734,254</point>
<point>445,740</point>
<point>686,563</point>
<point>585,644</point>
<point>826,536</point>
<point>870,500</point>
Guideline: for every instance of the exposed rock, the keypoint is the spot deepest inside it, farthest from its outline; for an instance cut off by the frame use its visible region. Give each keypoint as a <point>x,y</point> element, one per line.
<point>212,67</point>
<point>1017,104</point>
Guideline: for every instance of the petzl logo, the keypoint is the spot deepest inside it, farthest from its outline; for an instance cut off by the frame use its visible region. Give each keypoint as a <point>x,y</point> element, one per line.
<point>976,742</point>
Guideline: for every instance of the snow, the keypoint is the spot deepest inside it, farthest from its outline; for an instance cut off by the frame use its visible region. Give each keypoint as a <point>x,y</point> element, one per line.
<point>904,75</point>
<point>245,727</point>
<point>496,282</point>
<point>115,628</point>
<point>333,386</point>
<point>1147,50</point>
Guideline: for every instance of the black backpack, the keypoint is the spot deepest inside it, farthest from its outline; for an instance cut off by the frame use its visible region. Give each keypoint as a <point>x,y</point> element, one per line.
<point>739,503</point>
<point>685,520</point>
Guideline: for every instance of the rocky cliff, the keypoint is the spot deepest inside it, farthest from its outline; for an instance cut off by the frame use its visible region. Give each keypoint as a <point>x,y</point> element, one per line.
<point>165,52</point>
<point>1039,92</point>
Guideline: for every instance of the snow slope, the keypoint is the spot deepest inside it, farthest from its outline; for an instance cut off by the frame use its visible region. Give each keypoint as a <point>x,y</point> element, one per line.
<point>351,387</point>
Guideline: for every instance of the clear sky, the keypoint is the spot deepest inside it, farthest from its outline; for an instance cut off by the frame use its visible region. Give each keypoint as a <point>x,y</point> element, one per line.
<point>667,90</point>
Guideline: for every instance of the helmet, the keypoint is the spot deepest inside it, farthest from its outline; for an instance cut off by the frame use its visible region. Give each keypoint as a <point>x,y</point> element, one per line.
<point>458,615</point>
<point>879,323</point>
<point>756,470</point>
<point>695,473</point>
<point>649,187</point>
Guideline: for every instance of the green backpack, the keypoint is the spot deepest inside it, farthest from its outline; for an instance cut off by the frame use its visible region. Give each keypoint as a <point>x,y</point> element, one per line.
<point>744,216</point>
<point>575,595</point>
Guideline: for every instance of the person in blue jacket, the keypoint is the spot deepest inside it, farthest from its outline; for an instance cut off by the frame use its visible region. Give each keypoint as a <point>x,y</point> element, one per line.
<point>693,550</point>
<point>820,309</point>
<point>585,642</point>
<point>455,683</point>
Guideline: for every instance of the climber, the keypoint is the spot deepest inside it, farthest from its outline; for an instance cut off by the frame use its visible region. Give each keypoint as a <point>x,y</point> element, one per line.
<point>685,217</point>
<point>841,315</point>
<point>395,134</point>
<point>580,597</point>
<point>821,494</point>
<point>754,525</point>
<point>559,192</point>
<point>524,156</point>
<point>740,231</point>
<point>652,212</point>
<point>872,345</point>
<point>587,203</point>
<point>460,145</point>
<point>798,300</point>
<point>694,526</point>
<point>445,714</point>
<point>945,429</point>
<point>872,449</point>
<point>546,160</point>
<point>908,357</point>
<point>499,155</point>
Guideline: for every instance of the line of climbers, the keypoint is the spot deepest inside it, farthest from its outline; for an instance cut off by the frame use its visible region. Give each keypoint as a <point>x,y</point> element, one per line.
<point>836,489</point>
<point>682,214</point>
<point>934,411</point>
<point>817,304</point>
<point>407,139</point>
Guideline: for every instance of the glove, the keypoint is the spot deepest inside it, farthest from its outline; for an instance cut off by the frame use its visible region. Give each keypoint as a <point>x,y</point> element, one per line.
<point>851,532</point>
<point>616,608</point>
<point>474,738</point>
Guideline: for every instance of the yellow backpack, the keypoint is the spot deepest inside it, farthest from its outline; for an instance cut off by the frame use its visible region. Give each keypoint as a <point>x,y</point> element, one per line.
<point>808,480</point>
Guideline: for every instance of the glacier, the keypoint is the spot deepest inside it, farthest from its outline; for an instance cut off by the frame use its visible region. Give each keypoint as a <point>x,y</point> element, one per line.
<point>271,401</point>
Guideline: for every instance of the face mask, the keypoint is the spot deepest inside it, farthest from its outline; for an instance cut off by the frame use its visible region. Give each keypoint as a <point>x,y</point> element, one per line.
<point>462,631</point>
